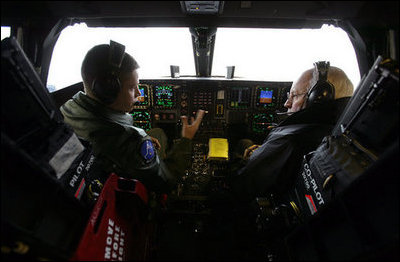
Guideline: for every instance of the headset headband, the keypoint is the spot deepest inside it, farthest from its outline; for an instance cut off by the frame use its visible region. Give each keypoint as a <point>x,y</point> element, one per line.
<point>322,68</point>
<point>322,90</point>
<point>116,54</point>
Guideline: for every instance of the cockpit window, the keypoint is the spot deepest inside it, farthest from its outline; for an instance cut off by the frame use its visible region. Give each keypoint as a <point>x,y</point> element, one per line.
<point>155,49</point>
<point>257,54</point>
<point>5,32</point>
<point>282,54</point>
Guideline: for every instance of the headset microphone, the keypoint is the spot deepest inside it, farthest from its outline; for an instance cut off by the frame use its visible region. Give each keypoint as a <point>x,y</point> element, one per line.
<point>284,113</point>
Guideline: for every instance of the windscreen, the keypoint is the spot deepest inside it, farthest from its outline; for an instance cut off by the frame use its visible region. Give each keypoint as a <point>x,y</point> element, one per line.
<point>282,54</point>
<point>155,50</point>
<point>257,54</point>
<point>5,32</point>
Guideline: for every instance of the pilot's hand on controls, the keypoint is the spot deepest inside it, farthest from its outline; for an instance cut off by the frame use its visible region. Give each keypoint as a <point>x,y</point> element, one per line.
<point>189,130</point>
<point>156,143</point>
<point>249,151</point>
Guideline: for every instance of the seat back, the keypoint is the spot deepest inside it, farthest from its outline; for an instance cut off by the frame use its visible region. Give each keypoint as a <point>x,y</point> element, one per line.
<point>41,183</point>
<point>63,95</point>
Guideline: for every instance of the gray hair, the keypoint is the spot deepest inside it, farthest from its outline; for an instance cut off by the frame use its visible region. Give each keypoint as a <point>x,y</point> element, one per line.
<point>338,78</point>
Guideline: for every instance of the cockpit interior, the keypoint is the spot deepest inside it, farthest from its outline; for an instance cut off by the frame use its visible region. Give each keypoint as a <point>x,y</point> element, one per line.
<point>235,81</point>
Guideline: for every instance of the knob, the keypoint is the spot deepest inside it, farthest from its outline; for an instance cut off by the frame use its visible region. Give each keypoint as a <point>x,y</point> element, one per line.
<point>184,96</point>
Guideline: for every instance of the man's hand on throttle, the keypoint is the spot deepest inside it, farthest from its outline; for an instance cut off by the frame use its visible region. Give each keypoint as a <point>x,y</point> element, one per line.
<point>189,130</point>
<point>249,151</point>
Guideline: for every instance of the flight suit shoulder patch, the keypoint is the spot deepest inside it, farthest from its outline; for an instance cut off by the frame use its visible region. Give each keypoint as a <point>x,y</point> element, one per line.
<point>147,151</point>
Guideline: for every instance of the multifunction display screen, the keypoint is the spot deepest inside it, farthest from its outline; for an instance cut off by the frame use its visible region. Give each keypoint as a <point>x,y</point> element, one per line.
<point>141,119</point>
<point>262,121</point>
<point>143,99</point>
<point>266,97</point>
<point>164,96</point>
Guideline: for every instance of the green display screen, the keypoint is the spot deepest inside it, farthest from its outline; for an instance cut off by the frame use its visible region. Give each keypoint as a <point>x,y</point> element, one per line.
<point>164,96</point>
<point>141,119</point>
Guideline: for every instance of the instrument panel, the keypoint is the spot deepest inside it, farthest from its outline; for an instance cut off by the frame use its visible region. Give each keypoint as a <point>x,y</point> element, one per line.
<point>252,105</point>
<point>235,109</point>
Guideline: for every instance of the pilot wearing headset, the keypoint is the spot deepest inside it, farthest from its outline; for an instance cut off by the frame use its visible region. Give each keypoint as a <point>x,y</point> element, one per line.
<point>101,115</point>
<point>314,104</point>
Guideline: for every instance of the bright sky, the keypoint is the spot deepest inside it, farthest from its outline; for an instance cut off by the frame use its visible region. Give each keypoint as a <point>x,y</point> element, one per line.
<point>282,55</point>
<point>259,54</point>
<point>155,49</point>
<point>5,32</point>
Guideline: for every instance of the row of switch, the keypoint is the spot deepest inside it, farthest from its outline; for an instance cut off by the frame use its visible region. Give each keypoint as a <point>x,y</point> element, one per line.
<point>164,116</point>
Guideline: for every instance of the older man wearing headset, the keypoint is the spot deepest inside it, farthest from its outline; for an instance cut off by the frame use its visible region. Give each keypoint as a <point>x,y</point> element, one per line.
<point>315,102</point>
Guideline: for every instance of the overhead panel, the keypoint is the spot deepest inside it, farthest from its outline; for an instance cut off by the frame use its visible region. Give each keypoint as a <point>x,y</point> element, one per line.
<point>202,7</point>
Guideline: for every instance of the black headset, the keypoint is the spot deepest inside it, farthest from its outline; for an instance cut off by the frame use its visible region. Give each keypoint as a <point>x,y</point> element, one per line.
<point>106,86</point>
<point>323,91</point>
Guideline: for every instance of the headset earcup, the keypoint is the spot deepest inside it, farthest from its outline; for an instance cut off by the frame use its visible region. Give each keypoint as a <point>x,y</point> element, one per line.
<point>106,88</point>
<point>322,92</point>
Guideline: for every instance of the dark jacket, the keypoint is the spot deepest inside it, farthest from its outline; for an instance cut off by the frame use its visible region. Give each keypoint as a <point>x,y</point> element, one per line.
<point>273,166</point>
<point>123,148</point>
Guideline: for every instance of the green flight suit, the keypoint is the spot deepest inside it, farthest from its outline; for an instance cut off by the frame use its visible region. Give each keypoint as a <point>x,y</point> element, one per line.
<point>123,148</point>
